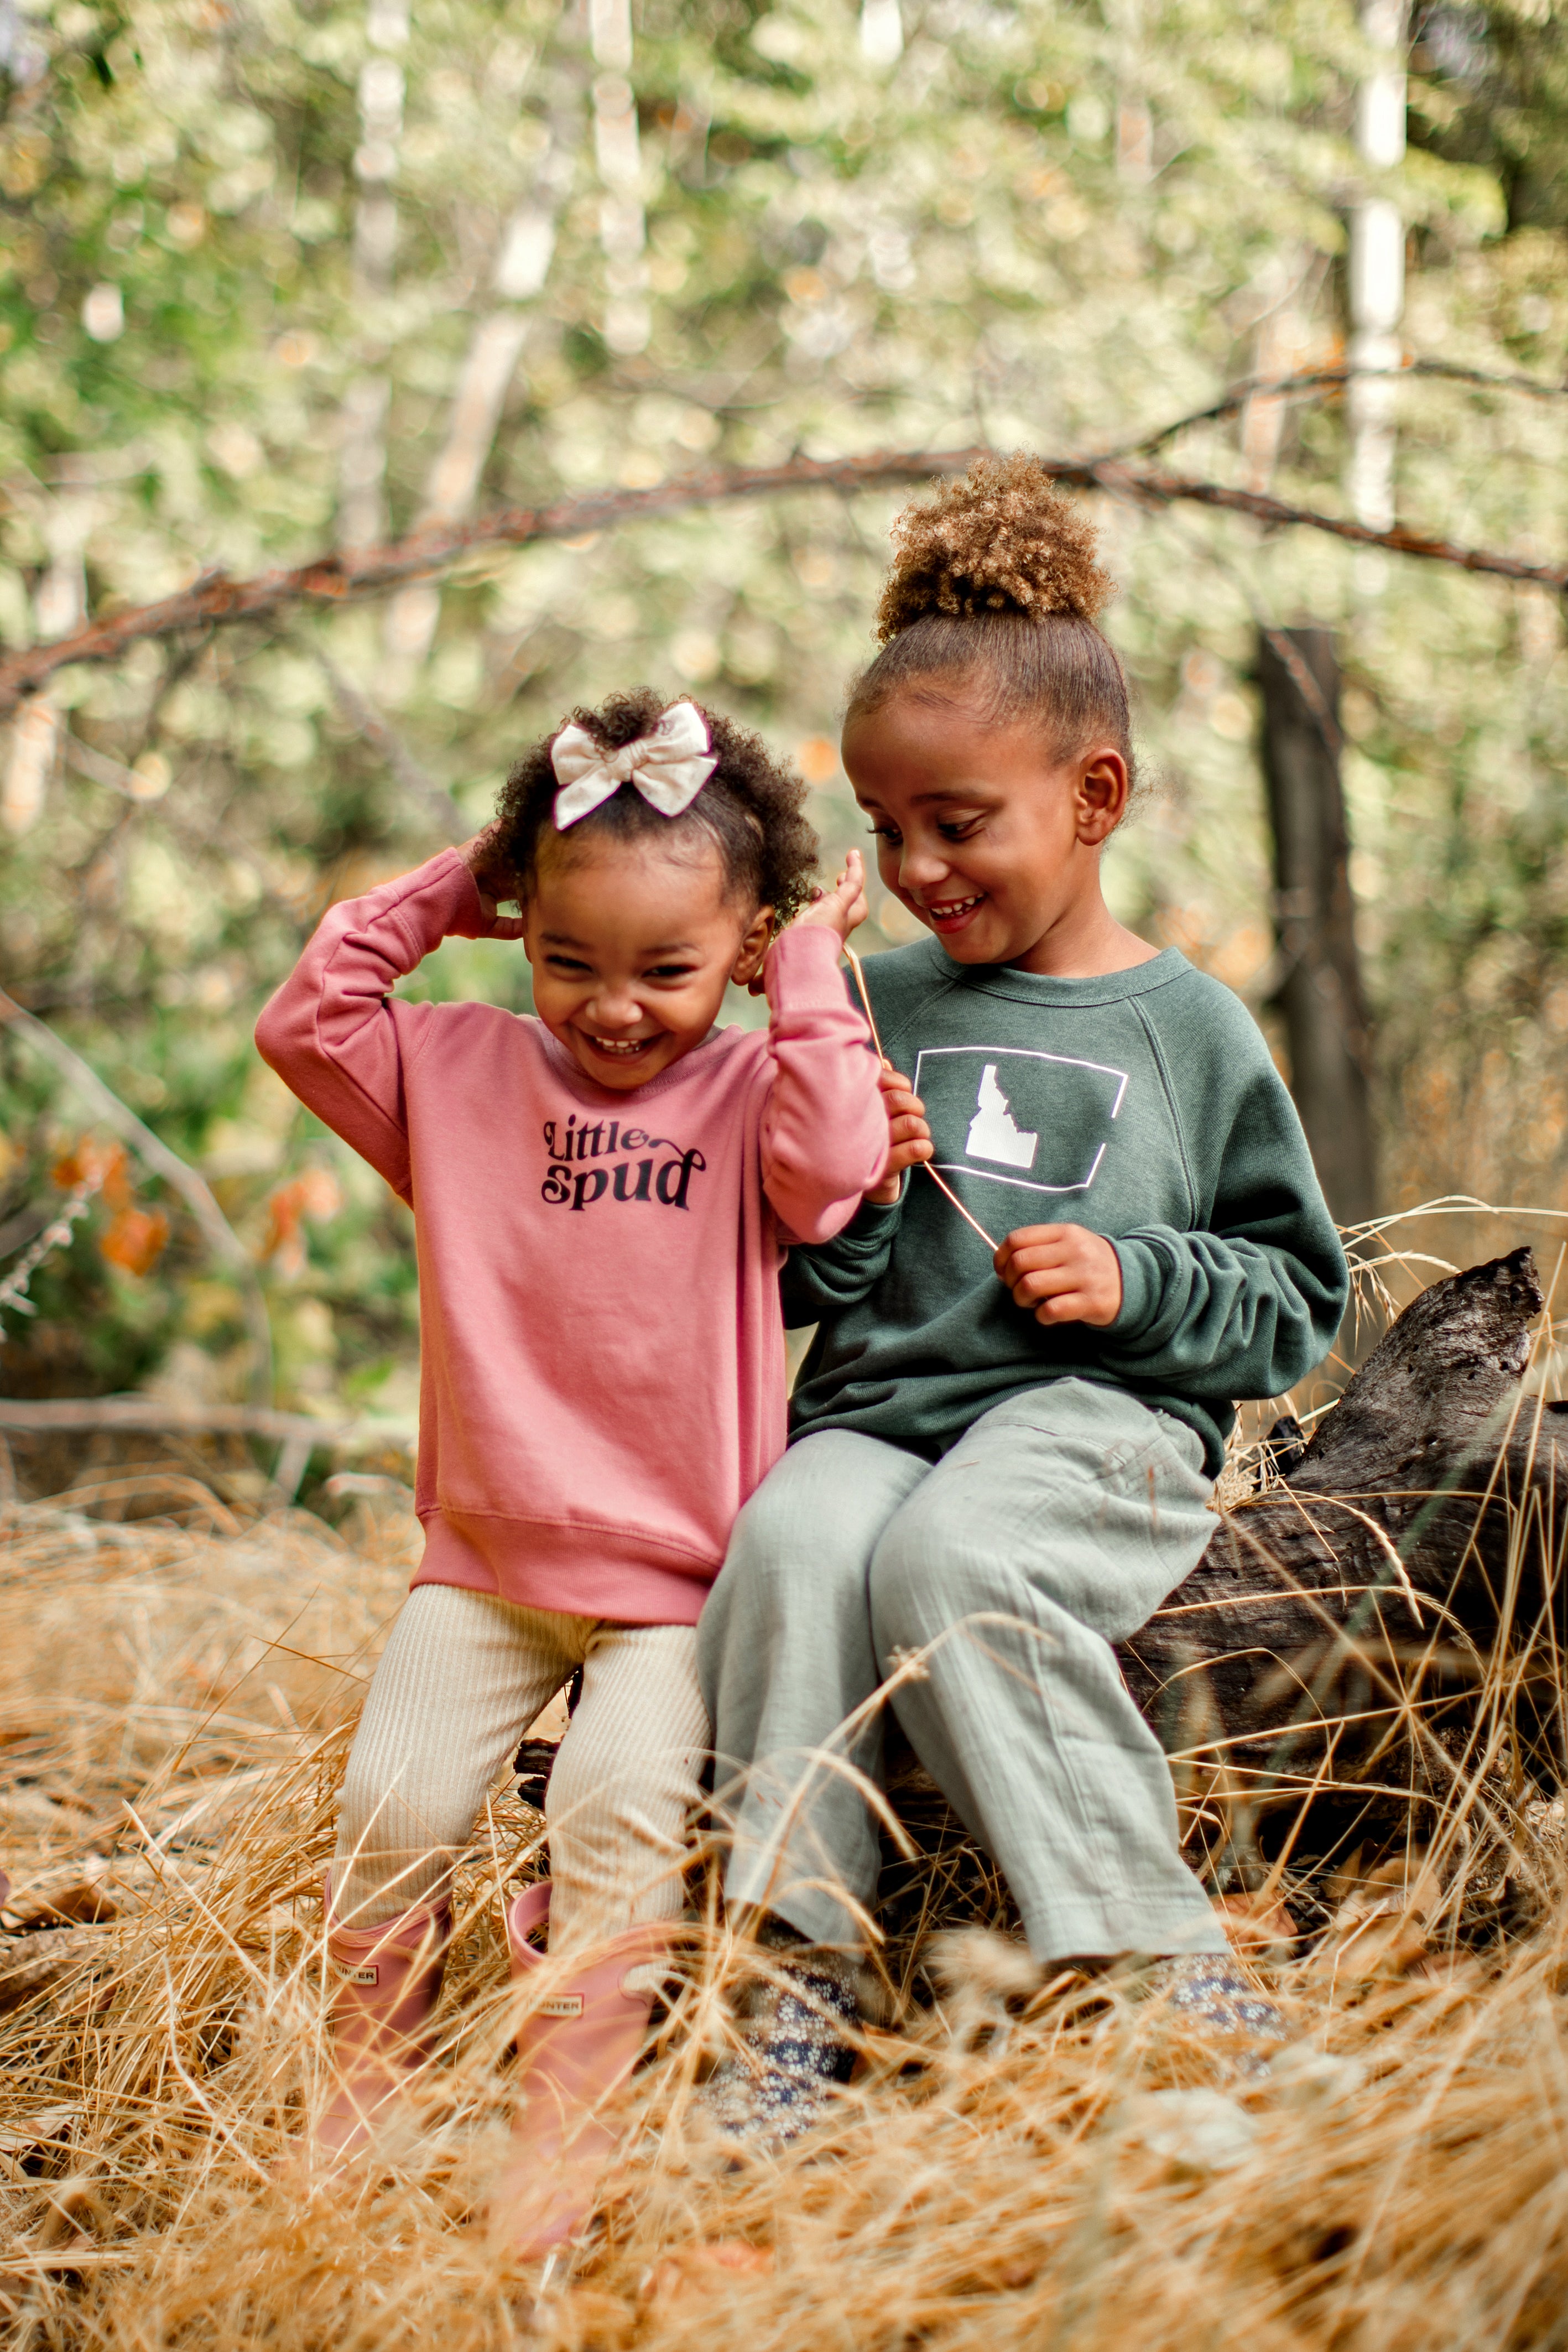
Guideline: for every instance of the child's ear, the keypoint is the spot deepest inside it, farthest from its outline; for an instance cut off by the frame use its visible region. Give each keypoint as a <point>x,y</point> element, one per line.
<point>1100,794</point>
<point>752,946</point>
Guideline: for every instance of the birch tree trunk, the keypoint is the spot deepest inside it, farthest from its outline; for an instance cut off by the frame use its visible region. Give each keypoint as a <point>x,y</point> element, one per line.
<point>882,32</point>
<point>59,605</point>
<point>1376,279</point>
<point>522,268</point>
<point>623,225</point>
<point>361,482</point>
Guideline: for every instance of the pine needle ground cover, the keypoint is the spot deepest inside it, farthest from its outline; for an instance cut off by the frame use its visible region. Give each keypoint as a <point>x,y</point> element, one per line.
<point>1013,2166</point>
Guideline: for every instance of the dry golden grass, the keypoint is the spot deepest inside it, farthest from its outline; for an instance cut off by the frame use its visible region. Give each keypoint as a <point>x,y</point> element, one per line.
<point>175,1709</point>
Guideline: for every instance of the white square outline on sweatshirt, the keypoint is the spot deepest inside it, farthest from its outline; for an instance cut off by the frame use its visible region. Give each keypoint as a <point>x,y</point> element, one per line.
<point>1024,1054</point>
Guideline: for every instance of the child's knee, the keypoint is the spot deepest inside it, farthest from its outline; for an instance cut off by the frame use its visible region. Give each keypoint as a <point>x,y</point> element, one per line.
<point>928,1572</point>
<point>783,1572</point>
<point>802,1540</point>
<point>610,1782</point>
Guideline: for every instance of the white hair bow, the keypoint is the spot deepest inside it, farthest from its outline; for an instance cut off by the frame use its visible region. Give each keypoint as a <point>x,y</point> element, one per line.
<point>668,767</point>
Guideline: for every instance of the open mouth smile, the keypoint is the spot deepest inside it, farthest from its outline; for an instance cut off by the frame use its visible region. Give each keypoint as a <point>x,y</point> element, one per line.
<point>620,1049</point>
<point>953,911</point>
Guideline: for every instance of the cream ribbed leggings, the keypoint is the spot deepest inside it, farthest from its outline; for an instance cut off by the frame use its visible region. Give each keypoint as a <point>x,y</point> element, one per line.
<point>462,1677</point>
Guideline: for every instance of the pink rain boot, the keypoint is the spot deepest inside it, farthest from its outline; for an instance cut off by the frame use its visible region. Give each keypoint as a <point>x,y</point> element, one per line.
<point>574,2053</point>
<point>388,1983</point>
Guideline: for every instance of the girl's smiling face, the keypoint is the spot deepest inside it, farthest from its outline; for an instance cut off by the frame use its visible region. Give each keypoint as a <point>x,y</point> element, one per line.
<point>989,842</point>
<point>631,952</point>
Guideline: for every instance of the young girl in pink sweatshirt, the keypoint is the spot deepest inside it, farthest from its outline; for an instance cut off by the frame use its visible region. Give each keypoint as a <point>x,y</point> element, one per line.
<point>602,1194</point>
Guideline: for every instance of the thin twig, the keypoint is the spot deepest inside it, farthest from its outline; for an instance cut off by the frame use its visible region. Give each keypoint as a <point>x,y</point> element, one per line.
<point>13,1290</point>
<point>383,738</point>
<point>1280,388</point>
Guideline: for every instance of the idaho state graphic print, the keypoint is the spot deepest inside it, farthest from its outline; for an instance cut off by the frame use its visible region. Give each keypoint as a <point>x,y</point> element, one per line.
<point>1038,1122</point>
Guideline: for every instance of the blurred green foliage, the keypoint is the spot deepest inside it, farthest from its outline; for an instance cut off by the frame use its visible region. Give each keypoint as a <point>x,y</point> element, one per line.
<point>1058,223</point>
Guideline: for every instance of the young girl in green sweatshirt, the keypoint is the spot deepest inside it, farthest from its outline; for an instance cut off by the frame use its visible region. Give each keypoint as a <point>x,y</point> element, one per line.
<point>1004,1437</point>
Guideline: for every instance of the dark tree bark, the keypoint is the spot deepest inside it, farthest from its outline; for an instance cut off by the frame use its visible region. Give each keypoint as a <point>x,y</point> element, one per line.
<point>1319,992</point>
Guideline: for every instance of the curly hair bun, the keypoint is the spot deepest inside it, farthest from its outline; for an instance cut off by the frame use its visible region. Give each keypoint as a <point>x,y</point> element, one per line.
<point>1001,540</point>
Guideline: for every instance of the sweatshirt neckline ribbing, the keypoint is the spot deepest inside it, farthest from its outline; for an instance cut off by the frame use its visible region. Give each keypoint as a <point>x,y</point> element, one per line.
<point>1047,988</point>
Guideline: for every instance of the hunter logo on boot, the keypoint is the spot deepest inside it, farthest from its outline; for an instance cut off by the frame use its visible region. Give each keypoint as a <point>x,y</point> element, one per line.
<point>369,1974</point>
<point>565,2004</point>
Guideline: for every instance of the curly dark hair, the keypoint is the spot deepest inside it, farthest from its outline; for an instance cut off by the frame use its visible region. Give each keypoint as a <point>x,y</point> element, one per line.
<point>750,807</point>
<point>1001,539</point>
<point>994,580</point>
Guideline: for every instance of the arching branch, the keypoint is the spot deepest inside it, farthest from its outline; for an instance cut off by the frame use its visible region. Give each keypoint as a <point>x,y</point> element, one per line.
<point>215,600</point>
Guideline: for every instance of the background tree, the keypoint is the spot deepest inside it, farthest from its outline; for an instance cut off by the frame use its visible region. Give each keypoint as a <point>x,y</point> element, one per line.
<point>622,245</point>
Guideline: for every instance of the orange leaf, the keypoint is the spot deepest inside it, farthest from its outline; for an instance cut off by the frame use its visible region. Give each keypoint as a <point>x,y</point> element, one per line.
<point>135,1239</point>
<point>314,1195</point>
<point>91,1162</point>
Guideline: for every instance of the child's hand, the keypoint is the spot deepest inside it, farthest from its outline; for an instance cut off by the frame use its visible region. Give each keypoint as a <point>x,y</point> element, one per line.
<point>843,907</point>
<point>494,881</point>
<point>909,1137</point>
<point>1066,1273</point>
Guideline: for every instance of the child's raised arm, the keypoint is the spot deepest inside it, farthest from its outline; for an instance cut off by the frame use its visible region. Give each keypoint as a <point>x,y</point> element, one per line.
<point>824,1132</point>
<point>333,1031</point>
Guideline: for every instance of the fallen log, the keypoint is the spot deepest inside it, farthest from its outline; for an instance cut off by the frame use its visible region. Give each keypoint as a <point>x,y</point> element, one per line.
<point>1383,1619</point>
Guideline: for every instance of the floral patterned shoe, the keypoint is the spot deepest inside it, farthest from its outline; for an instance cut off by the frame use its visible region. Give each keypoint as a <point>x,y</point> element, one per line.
<point>1207,1988</point>
<point>794,2053</point>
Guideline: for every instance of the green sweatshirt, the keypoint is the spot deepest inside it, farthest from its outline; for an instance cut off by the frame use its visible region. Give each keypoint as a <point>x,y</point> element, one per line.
<point>1143,1104</point>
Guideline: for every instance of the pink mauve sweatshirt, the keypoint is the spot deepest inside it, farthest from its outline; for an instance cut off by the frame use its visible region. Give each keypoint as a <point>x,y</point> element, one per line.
<point>602,1349</point>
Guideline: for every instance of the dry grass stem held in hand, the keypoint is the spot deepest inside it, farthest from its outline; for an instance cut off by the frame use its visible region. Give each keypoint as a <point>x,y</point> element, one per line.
<point>940,1183</point>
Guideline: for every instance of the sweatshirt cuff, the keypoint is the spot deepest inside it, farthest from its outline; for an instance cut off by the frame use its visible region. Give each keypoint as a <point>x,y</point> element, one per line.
<point>1144,1277</point>
<point>454,895</point>
<point>801,972</point>
<point>870,1224</point>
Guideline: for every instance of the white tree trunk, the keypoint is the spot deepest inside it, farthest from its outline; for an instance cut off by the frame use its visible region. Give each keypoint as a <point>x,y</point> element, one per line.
<point>527,246</point>
<point>623,225</point>
<point>58,606</point>
<point>882,32</point>
<point>1378,272</point>
<point>362,466</point>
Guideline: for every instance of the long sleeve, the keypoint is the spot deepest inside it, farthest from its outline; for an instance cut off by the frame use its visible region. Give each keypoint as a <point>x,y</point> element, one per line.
<point>840,1273</point>
<point>333,1033</point>
<point>824,1130</point>
<point>1252,1302</point>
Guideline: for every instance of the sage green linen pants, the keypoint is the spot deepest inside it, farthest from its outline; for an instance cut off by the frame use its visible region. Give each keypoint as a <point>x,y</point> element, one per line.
<point>1055,1525</point>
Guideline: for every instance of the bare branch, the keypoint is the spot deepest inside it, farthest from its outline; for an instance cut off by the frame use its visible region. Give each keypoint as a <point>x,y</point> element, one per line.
<point>332,581</point>
<point>151,1416</point>
<point>1325,378</point>
<point>296,1435</point>
<point>150,1149</point>
<point>1160,489</point>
